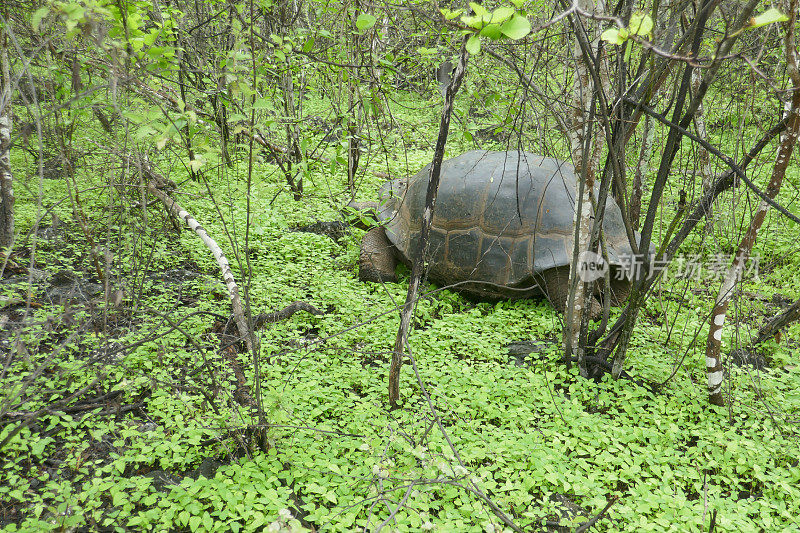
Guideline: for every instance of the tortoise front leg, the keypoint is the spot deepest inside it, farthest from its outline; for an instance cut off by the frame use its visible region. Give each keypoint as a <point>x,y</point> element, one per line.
<point>555,285</point>
<point>377,262</point>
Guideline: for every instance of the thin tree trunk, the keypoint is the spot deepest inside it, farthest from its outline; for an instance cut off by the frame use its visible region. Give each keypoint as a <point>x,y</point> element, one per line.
<point>6,178</point>
<point>620,337</point>
<point>788,140</point>
<point>703,158</point>
<point>292,137</point>
<point>418,265</point>
<point>355,107</point>
<point>641,170</point>
<point>585,157</point>
<point>291,113</point>
<point>638,292</point>
<point>697,213</point>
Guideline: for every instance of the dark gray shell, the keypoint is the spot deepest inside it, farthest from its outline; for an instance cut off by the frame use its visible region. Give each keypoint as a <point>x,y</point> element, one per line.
<point>500,217</point>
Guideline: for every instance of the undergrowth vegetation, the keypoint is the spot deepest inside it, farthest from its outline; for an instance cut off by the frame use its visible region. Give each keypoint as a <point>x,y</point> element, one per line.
<point>124,410</point>
<point>532,435</point>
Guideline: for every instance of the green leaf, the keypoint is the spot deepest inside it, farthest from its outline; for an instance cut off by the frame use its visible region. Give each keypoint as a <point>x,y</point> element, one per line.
<point>501,14</point>
<point>641,24</point>
<point>480,18</point>
<point>308,45</point>
<point>155,52</point>
<point>74,11</point>
<point>150,38</point>
<point>518,3</point>
<point>769,16</point>
<point>516,28</point>
<point>479,10</point>
<point>257,519</point>
<point>38,446</point>
<point>37,17</point>
<point>449,14</point>
<point>474,45</point>
<point>365,21</point>
<point>144,132</point>
<point>472,21</point>
<point>614,36</point>
<point>492,31</point>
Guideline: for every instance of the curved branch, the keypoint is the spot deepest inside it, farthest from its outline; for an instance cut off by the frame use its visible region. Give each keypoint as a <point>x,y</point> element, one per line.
<point>154,182</point>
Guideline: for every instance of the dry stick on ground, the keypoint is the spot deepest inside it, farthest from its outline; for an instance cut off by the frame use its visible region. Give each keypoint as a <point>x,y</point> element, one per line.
<point>269,318</point>
<point>283,314</point>
<point>777,323</point>
<point>788,140</point>
<point>427,216</point>
<point>154,184</point>
<point>592,521</point>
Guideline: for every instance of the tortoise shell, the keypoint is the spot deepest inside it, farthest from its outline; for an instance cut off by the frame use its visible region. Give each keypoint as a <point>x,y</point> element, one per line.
<point>500,219</point>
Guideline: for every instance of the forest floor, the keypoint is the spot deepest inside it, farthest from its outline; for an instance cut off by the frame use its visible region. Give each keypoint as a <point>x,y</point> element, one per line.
<point>131,410</point>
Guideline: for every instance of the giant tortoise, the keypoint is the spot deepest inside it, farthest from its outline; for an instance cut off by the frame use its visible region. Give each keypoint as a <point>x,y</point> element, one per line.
<point>502,228</point>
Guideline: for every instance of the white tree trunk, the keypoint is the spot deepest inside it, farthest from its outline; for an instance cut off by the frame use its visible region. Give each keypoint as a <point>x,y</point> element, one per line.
<point>582,95</point>
<point>788,140</point>
<point>6,178</point>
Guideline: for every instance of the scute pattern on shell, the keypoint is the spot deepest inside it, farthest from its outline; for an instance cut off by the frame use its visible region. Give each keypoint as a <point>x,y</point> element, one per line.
<point>500,217</point>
